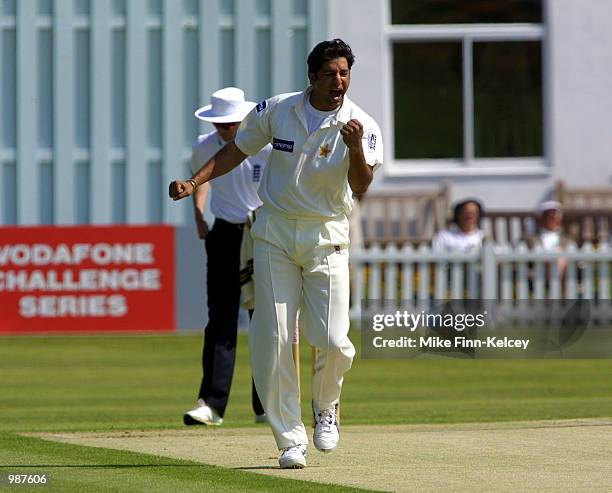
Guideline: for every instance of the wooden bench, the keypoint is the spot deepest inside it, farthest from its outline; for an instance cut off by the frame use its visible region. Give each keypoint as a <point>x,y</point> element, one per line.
<point>502,226</point>
<point>587,211</point>
<point>587,217</point>
<point>592,199</point>
<point>508,227</point>
<point>401,218</point>
<point>414,217</point>
<point>582,225</point>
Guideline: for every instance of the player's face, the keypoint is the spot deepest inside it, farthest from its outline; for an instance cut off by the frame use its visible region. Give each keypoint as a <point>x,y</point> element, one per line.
<point>329,84</point>
<point>227,131</point>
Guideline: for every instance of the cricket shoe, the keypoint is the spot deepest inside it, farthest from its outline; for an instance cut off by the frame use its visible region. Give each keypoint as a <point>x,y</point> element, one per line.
<point>202,415</point>
<point>261,418</point>
<point>293,457</point>
<point>326,432</point>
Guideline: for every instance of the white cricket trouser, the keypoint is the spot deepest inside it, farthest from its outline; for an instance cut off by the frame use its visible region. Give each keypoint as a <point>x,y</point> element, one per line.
<point>299,263</point>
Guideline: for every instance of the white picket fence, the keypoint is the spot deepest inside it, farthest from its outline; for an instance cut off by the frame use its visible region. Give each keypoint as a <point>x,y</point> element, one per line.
<point>497,272</point>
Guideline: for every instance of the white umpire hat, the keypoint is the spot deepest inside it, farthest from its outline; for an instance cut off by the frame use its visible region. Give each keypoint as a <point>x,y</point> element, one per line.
<point>550,205</point>
<point>227,106</point>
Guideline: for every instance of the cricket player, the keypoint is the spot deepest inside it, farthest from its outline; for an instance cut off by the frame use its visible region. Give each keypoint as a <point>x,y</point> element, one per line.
<point>324,148</point>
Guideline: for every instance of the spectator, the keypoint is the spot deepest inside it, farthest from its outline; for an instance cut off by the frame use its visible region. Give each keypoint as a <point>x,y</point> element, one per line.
<point>464,234</point>
<point>549,236</point>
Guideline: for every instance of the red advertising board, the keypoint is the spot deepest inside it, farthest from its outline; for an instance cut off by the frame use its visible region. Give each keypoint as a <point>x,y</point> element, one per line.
<point>86,279</point>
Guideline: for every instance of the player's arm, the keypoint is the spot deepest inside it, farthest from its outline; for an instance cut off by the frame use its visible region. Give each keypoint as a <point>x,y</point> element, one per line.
<point>360,173</point>
<point>199,206</point>
<point>223,162</point>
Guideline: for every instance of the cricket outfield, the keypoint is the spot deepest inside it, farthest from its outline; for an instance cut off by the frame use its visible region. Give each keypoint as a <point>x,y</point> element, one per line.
<point>408,425</point>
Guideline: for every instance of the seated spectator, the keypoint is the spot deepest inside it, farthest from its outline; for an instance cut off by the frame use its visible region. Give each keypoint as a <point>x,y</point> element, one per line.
<point>464,234</point>
<point>549,236</point>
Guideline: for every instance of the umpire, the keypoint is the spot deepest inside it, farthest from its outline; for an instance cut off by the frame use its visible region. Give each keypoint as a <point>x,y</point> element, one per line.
<point>234,196</point>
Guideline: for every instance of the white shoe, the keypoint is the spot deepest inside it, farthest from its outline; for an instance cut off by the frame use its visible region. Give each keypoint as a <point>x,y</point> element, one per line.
<point>326,432</point>
<point>261,418</point>
<point>202,415</point>
<point>293,457</point>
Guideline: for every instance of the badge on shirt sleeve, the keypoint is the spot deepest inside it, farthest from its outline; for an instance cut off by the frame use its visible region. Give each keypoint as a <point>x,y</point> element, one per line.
<point>371,141</point>
<point>261,106</point>
<point>256,172</point>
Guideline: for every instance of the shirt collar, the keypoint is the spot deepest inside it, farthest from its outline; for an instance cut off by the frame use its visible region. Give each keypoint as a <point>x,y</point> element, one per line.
<point>300,108</point>
<point>458,231</point>
<point>344,113</point>
<point>342,116</point>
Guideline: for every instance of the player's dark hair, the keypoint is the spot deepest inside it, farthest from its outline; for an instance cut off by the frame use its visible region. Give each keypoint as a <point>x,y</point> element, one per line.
<point>460,205</point>
<point>328,50</point>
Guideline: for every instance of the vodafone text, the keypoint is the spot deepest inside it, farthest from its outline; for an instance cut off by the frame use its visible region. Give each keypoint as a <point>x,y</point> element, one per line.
<point>77,280</point>
<point>40,254</point>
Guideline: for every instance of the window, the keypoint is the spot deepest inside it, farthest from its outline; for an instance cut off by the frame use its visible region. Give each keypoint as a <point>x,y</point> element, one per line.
<point>467,82</point>
<point>465,11</point>
<point>428,108</point>
<point>507,99</point>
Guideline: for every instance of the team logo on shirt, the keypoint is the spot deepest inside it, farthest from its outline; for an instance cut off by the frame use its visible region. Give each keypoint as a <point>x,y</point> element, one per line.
<point>371,141</point>
<point>257,172</point>
<point>324,150</point>
<point>261,106</point>
<point>282,145</point>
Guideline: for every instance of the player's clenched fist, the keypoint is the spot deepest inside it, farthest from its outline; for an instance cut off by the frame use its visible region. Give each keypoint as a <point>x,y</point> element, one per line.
<point>181,189</point>
<point>352,133</point>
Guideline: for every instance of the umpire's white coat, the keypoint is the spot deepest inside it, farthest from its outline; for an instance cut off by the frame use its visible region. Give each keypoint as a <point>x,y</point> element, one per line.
<point>301,238</point>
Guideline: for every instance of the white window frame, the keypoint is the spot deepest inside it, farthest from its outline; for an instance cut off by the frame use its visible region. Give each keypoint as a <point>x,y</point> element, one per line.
<point>467,35</point>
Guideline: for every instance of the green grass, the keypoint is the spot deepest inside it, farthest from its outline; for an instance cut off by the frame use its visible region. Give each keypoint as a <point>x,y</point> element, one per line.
<point>99,383</point>
<point>80,469</point>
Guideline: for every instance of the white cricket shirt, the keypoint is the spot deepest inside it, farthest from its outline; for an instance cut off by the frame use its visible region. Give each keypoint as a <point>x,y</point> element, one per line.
<point>307,172</point>
<point>551,240</point>
<point>234,194</point>
<point>455,240</point>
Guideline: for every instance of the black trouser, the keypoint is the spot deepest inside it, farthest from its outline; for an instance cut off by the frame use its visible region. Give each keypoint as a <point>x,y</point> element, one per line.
<point>223,287</point>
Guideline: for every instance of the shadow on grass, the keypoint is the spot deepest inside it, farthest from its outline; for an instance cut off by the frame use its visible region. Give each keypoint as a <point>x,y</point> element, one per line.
<point>96,466</point>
